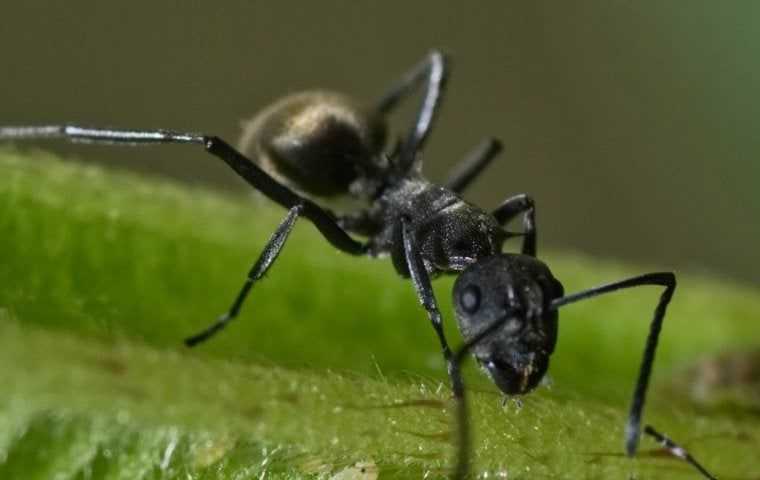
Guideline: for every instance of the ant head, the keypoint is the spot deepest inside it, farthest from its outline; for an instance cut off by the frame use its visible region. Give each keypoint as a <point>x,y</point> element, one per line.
<point>512,293</point>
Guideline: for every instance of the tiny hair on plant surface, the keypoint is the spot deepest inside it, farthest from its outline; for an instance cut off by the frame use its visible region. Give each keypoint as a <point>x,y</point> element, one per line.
<point>310,148</point>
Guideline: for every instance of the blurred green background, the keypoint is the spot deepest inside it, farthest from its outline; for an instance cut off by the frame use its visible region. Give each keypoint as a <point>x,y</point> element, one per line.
<point>634,124</point>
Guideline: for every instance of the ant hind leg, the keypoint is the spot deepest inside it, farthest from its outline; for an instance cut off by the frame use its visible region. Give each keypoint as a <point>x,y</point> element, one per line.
<point>424,289</point>
<point>249,171</point>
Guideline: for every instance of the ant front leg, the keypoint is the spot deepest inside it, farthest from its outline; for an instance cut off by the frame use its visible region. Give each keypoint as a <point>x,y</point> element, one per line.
<point>462,464</point>
<point>473,165</point>
<point>424,289</point>
<point>665,279</point>
<point>633,427</point>
<point>514,206</point>
<point>433,70</point>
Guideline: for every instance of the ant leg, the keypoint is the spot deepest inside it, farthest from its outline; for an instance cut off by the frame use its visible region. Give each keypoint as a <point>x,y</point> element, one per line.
<point>424,289</point>
<point>421,281</point>
<point>265,260</point>
<point>462,417</point>
<point>665,279</point>
<point>514,206</point>
<point>462,464</point>
<point>434,70</point>
<point>677,451</point>
<point>250,172</point>
<point>473,164</point>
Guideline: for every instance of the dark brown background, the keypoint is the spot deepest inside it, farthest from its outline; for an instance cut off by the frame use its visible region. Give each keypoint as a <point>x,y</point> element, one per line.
<point>634,124</point>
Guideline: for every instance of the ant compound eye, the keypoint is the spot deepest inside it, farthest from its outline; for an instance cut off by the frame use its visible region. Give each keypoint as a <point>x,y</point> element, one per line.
<point>469,299</point>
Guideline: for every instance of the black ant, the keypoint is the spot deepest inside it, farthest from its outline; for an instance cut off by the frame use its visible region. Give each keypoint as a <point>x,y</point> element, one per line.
<point>322,145</point>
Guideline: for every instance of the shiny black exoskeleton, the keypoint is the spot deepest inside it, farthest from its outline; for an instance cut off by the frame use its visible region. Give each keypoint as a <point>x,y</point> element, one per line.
<point>312,150</point>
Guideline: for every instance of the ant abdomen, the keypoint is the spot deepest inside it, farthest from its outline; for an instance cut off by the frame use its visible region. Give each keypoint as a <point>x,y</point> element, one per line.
<point>321,143</point>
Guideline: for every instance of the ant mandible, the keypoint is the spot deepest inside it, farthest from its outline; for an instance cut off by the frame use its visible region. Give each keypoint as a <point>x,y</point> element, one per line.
<point>321,145</point>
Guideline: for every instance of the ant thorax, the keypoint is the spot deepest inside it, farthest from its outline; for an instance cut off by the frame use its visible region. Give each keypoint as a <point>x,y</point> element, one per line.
<point>449,232</point>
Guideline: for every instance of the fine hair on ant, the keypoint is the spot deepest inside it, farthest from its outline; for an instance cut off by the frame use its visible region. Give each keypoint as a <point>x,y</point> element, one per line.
<point>316,146</point>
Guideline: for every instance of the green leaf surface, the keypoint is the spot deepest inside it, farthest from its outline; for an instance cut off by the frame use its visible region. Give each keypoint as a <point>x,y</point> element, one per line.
<point>332,370</point>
